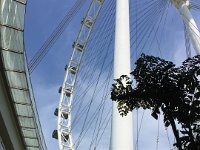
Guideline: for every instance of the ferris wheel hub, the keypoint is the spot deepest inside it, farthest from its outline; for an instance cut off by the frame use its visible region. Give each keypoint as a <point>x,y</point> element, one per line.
<point>179,3</point>
<point>191,27</point>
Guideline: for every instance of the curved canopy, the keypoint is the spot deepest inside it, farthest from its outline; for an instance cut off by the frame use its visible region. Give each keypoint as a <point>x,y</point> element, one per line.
<point>13,58</point>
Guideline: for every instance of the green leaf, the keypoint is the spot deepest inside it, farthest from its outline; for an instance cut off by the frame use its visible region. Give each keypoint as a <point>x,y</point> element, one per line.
<point>155,115</point>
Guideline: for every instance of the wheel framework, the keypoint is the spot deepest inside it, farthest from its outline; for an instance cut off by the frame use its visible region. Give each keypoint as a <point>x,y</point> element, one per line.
<point>64,131</point>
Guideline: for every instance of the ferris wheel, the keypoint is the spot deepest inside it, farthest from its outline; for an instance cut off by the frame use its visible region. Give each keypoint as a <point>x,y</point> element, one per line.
<point>64,133</point>
<point>143,33</point>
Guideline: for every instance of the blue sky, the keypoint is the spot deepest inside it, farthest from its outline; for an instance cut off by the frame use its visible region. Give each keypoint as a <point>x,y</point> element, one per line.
<point>42,16</point>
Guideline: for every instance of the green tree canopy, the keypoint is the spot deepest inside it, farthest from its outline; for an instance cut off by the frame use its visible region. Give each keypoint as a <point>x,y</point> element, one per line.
<point>163,87</point>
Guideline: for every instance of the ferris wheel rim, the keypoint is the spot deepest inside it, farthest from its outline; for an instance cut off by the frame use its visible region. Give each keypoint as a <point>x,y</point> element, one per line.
<point>64,133</point>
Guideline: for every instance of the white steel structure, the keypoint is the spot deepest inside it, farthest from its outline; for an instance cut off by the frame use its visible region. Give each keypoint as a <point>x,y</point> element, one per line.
<point>64,132</point>
<point>183,6</point>
<point>122,132</point>
<point>122,127</point>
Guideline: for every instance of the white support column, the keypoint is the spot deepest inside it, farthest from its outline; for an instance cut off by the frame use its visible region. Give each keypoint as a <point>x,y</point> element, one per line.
<point>191,26</point>
<point>122,127</point>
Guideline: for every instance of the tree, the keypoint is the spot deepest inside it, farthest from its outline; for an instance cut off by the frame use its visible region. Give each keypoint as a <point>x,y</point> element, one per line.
<point>163,87</point>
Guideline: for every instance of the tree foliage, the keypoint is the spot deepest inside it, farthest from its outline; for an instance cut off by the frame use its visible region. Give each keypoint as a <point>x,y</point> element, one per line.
<point>163,87</point>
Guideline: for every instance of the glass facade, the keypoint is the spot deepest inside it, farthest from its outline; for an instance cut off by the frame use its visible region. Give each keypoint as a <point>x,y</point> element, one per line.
<point>13,55</point>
